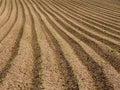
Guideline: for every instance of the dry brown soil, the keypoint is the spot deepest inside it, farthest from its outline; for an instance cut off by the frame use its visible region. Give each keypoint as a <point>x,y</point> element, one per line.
<point>59,44</point>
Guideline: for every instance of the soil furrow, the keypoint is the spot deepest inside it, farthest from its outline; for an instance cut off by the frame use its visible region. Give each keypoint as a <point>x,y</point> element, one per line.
<point>107,54</point>
<point>21,71</point>
<point>1,3</point>
<point>83,6</point>
<point>92,10</point>
<point>88,13</point>
<point>59,45</point>
<point>49,66</point>
<point>116,3</point>
<point>83,29</point>
<point>64,67</point>
<point>98,29</point>
<point>77,67</point>
<point>3,7</point>
<point>5,17</point>
<point>108,3</point>
<point>93,20</point>
<point>96,4</point>
<point>115,7</point>
<point>6,28</point>
<point>81,52</point>
<point>37,55</point>
<point>11,50</point>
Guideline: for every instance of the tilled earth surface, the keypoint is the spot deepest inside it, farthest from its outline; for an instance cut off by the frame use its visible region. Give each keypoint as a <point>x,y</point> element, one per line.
<point>59,44</point>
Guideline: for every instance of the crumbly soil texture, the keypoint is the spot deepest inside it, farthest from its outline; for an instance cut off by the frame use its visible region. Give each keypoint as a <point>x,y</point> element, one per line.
<point>59,44</point>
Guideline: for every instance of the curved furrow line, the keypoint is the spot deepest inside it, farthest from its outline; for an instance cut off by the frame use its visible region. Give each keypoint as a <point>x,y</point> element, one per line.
<point>98,22</point>
<point>84,57</point>
<point>36,53</point>
<point>0,2</point>
<point>73,63</point>
<point>95,13</point>
<point>21,71</point>
<point>91,43</point>
<point>92,10</point>
<point>82,6</point>
<point>59,45</point>
<point>101,16</point>
<point>114,4</point>
<point>99,30</point>
<point>6,7</point>
<point>100,61</point>
<point>3,7</point>
<point>6,28</point>
<point>109,54</point>
<point>107,6</point>
<point>77,67</point>
<point>10,44</point>
<point>96,4</point>
<point>50,75</point>
<point>94,33</point>
<point>81,83</point>
<point>83,29</point>
<point>5,17</point>
<point>63,65</point>
<point>104,21</point>
<point>70,81</point>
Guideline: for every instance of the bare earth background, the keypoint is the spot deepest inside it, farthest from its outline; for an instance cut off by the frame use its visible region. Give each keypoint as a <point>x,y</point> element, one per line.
<point>59,44</point>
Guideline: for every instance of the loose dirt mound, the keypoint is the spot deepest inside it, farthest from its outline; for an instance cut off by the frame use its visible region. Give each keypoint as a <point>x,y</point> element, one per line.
<point>59,45</point>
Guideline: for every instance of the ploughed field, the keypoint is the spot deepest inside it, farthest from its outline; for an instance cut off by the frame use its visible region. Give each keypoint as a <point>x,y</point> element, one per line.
<point>59,45</point>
